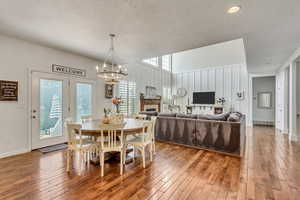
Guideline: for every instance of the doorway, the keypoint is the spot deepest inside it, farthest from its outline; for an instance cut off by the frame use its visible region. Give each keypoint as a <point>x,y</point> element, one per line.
<point>263,108</point>
<point>53,99</point>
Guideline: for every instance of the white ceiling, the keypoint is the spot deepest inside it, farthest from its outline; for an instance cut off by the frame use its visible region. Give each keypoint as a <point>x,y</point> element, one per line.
<point>146,28</point>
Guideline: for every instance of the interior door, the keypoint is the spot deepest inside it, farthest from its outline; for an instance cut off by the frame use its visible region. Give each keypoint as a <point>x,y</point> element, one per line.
<point>50,106</point>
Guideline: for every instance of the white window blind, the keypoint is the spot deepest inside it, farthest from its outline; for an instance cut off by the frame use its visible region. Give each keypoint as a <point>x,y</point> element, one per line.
<point>166,62</point>
<point>127,92</point>
<point>123,91</point>
<point>167,96</point>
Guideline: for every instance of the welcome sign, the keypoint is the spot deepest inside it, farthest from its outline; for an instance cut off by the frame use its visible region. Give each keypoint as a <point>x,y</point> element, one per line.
<point>68,70</point>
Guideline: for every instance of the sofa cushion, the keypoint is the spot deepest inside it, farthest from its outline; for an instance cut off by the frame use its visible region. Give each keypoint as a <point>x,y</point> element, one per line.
<point>219,117</point>
<point>234,117</point>
<point>150,113</point>
<point>188,116</point>
<point>167,114</point>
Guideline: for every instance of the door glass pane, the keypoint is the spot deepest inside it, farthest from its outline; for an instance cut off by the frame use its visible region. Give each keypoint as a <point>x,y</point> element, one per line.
<point>83,100</point>
<point>50,108</point>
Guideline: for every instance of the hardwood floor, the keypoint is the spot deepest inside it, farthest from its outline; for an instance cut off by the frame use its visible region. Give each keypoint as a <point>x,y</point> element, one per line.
<point>270,170</point>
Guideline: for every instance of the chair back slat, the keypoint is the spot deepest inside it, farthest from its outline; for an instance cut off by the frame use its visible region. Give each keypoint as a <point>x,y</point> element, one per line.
<point>112,136</point>
<point>153,119</point>
<point>147,131</point>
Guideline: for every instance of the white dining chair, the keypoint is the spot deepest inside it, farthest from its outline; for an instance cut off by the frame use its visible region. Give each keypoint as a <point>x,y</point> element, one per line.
<point>76,143</point>
<point>111,140</point>
<point>85,118</point>
<point>69,120</point>
<point>144,140</point>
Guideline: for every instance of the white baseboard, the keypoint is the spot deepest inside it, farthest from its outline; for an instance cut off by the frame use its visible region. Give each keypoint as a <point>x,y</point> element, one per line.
<point>293,138</point>
<point>12,153</point>
<point>286,131</point>
<point>263,122</point>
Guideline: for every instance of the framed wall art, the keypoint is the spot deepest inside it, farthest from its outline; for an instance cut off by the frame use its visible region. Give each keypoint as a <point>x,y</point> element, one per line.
<point>8,90</point>
<point>109,91</point>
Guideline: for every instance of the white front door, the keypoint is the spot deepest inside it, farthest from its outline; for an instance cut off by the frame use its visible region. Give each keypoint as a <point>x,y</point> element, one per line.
<point>53,99</point>
<point>49,109</point>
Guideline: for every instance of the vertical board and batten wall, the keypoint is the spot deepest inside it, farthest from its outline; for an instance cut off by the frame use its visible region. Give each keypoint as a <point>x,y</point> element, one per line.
<point>226,81</point>
<point>146,75</point>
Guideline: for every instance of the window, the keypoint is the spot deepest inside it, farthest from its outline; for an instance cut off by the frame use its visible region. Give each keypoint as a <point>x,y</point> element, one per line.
<point>127,92</point>
<point>51,104</point>
<point>167,96</point>
<point>152,61</point>
<point>83,100</point>
<point>166,62</point>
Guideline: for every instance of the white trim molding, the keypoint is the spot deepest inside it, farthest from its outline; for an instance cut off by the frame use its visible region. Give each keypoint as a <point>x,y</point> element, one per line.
<point>291,59</point>
<point>293,137</point>
<point>293,103</point>
<point>13,153</point>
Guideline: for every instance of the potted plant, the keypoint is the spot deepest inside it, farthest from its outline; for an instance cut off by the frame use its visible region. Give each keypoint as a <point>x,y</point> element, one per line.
<point>117,101</point>
<point>221,100</point>
<point>105,119</point>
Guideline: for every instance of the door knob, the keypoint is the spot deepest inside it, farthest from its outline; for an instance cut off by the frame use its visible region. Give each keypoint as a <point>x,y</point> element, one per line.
<point>33,117</point>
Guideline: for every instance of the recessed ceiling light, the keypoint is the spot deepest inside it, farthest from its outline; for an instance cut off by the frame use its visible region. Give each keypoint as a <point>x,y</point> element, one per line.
<point>234,9</point>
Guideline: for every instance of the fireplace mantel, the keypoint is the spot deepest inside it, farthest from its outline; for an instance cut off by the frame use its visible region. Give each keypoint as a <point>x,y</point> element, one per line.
<point>155,102</point>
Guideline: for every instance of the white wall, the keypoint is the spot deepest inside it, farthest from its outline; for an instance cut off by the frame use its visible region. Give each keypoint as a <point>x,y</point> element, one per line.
<point>222,54</point>
<point>290,109</point>
<point>263,84</point>
<point>16,57</point>
<point>226,81</point>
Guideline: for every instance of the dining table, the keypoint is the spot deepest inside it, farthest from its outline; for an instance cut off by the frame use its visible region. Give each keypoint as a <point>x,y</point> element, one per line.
<point>93,128</point>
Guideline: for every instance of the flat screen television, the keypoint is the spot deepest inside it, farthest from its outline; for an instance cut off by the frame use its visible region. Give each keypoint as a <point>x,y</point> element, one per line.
<point>204,98</point>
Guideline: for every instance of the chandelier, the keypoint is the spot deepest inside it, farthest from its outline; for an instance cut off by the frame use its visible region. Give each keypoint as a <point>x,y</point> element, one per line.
<point>110,71</point>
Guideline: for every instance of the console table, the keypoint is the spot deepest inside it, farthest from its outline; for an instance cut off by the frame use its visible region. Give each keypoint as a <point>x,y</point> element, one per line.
<point>215,109</point>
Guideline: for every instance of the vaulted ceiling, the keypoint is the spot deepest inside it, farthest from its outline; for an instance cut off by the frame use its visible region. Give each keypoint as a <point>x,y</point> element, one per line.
<point>146,28</point>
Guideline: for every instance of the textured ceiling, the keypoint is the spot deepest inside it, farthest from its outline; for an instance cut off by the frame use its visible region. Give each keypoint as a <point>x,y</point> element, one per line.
<point>146,28</point>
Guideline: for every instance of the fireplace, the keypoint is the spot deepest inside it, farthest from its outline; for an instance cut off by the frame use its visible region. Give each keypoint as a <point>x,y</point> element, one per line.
<point>151,108</point>
<point>150,104</point>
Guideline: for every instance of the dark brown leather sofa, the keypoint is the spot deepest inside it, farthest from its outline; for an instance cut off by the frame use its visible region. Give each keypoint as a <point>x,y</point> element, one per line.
<point>223,133</point>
